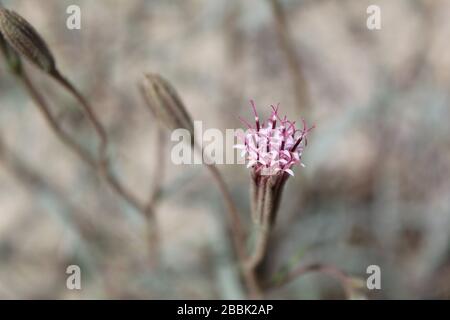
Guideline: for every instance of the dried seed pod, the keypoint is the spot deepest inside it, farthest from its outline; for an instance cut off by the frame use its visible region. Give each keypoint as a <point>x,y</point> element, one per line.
<point>11,57</point>
<point>165,104</point>
<point>21,36</point>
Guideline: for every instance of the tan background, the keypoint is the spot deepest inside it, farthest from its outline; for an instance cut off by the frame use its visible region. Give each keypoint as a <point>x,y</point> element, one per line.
<point>375,190</point>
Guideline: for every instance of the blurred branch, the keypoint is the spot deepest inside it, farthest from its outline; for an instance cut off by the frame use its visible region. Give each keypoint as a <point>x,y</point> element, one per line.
<point>287,46</point>
<point>236,232</point>
<point>69,215</point>
<point>159,167</point>
<point>344,279</point>
<point>89,112</point>
<point>31,179</point>
<point>52,122</point>
<point>102,166</point>
<point>163,101</point>
<point>156,191</point>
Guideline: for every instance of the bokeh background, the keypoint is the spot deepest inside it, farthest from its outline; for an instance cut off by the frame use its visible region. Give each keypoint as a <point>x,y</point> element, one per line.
<point>376,186</point>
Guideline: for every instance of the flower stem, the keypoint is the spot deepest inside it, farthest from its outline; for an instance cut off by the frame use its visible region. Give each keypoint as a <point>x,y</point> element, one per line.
<point>88,111</point>
<point>263,223</point>
<point>52,122</point>
<point>266,201</point>
<point>235,229</point>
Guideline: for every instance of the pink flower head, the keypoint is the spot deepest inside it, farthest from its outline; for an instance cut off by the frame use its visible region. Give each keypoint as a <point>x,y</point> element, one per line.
<point>273,146</point>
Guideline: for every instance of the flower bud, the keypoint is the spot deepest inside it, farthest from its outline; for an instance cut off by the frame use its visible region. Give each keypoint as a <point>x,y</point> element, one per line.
<point>272,148</point>
<point>25,40</point>
<point>165,104</point>
<point>11,57</point>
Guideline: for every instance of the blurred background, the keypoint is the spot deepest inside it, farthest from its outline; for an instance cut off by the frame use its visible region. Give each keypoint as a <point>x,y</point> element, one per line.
<point>375,190</point>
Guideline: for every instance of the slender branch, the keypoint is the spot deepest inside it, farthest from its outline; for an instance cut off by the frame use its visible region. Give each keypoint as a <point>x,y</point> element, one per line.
<point>235,230</point>
<point>101,166</point>
<point>329,270</point>
<point>52,122</point>
<point>88,111</point>
<point>159,166</point>
<point>233,214</point>
<point>237,233</point>
<point>288,48</point>
<point>37,183</point>
<point>167,107</point>
<point>116,185</point>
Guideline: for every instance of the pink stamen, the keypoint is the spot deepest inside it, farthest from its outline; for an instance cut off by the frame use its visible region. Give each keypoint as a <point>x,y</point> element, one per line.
<point>283,141</point>
<point>256,115</point>
<point>245,122</point>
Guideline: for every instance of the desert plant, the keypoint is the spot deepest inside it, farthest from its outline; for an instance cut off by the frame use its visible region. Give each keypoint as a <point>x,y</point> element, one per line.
<point>272,148</point>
